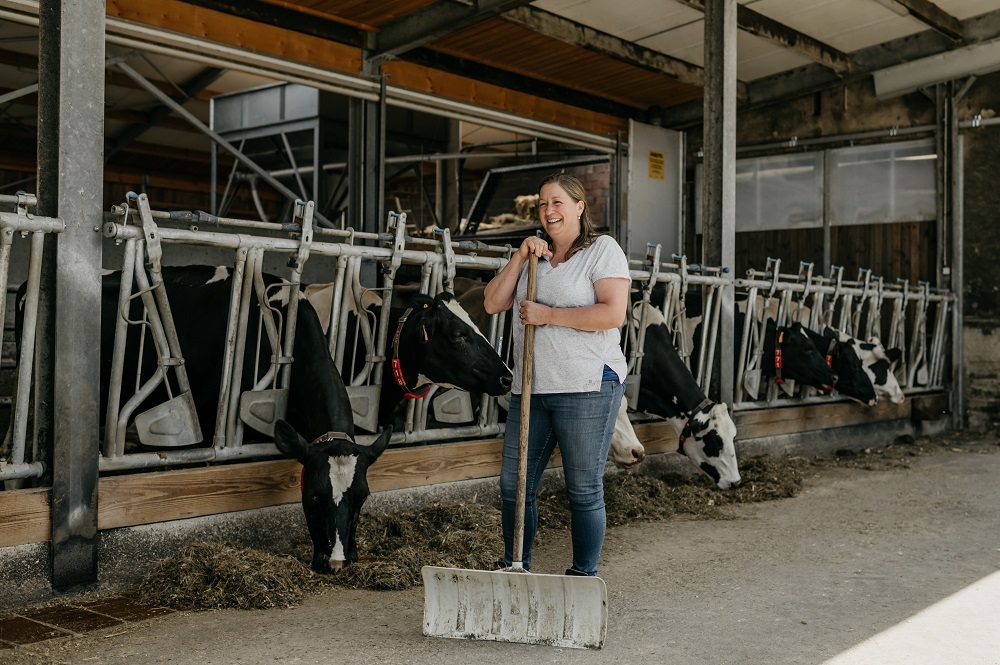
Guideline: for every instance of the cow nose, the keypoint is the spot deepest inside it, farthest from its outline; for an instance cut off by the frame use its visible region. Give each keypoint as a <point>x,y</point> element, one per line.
<point>506,382</point>
<point>336,566</point>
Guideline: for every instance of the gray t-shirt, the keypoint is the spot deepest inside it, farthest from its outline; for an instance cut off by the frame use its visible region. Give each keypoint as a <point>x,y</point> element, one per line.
<point>568,360</point>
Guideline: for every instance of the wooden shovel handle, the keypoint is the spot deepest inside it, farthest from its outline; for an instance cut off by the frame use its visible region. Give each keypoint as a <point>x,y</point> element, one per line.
<point>527,363</point>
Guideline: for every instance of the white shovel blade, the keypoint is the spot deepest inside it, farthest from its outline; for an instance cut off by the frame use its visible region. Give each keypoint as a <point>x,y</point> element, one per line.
<point>554,610</point>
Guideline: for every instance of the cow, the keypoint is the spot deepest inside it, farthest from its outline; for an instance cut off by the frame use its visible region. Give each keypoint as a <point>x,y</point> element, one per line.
<point>851,379</point>
<point>668,389</point>
<point>787,353</point>
<point>878,365</point>
<point>334,488</point>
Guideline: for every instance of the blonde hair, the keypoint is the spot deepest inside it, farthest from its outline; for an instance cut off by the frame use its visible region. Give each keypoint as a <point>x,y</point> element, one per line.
<point>588,231</point>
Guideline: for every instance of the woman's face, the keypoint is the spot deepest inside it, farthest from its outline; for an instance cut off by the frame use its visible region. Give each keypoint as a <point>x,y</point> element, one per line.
<point>559,213</point>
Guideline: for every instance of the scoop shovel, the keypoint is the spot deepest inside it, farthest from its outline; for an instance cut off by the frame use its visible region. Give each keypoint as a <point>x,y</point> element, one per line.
<point>514,605</point>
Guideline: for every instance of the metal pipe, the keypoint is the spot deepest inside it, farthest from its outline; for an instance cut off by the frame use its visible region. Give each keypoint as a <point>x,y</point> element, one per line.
<point>28,341</point>
<point>200,126</point>
<point>111,445</point>
<point>222,411</point>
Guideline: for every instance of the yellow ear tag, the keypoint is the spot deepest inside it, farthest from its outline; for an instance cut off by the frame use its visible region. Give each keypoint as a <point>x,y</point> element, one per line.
<point>424,328</point>
<point>781,337</point>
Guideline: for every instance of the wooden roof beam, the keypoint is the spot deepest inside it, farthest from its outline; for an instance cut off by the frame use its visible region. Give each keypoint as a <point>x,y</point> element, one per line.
<point>761,26</point>
<point>576,34</point>
<point>938,19</point>
<point>432,22</point>
<point>289,17</point>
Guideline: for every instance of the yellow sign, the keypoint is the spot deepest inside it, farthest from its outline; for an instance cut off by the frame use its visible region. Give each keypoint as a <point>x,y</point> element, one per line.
<point>656,164</point>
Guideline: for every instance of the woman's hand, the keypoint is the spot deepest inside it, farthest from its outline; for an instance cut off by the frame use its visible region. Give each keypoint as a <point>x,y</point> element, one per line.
<point>535,314</point>
<point>533,245</point>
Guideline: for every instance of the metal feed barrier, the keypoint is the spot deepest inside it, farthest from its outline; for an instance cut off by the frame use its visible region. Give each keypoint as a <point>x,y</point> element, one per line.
<point>359,350</point>
<point>20,222</point>
<point>915,319</point>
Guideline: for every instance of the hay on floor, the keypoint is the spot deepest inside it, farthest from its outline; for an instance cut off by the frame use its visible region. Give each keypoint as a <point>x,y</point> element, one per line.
<point>393,548</point>
<point>222,575</point>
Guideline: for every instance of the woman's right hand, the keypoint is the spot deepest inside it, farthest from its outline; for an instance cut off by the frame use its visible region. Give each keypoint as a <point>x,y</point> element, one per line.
<point>533,245</point>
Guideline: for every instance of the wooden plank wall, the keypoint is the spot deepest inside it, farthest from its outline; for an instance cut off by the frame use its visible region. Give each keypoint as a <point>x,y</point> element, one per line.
<point>147,498</point>
<point>904,250</point>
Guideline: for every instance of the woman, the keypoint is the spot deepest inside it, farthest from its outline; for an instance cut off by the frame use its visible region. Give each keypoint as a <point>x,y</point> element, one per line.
<point>579,370</point>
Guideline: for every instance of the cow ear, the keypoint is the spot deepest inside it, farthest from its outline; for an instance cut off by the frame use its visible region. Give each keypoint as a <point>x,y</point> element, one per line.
<point>421,301</point>
<point>894,355</point>
<point>379,445</point>
<point>289,442</point>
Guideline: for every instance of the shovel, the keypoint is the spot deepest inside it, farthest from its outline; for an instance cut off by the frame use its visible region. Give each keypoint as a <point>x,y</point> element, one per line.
<point>514,605</point>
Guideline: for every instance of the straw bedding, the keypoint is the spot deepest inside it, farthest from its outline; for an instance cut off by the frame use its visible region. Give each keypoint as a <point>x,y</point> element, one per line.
<point>394,547</point>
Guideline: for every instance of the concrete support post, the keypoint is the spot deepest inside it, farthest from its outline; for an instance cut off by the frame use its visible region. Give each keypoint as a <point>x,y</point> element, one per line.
<point>719,200</point>
<point>70,185</point>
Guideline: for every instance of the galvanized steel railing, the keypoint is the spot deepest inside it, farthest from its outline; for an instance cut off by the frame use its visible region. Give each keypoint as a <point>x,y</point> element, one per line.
<point>914,319</point>
<point>15,464</point>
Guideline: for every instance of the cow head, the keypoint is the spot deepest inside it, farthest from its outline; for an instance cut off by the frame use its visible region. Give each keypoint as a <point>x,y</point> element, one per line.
<point>851,379</point>
<point>879,364</point>
<point>442,345</point>
<point>801,361</point>
<point>626,450</point>
<point>708,441</point>
<point>334,488</point>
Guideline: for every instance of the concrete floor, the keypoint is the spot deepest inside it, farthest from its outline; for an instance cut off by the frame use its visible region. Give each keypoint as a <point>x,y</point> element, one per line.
<point>870,567</point>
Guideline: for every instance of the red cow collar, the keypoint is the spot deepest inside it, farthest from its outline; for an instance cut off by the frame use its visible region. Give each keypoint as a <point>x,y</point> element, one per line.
<point>397,368</point>
<point>777,358</point>
<point>686,432</point>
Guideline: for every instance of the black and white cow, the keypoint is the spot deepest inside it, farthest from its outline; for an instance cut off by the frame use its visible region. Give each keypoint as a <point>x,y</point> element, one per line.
<point>435,341</point>
<point>668,389</point>
<point>334,488</point>
<point>851,379</point>
<point>877,364</point>
<point>789,354</point>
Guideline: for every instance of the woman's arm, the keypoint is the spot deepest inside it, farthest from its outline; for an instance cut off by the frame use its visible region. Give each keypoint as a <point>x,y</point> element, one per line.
<point>608,312</point>
<point>499,293</point>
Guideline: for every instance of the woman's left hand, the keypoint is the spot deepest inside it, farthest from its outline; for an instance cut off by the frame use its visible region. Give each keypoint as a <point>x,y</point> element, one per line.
<point>533,313</point>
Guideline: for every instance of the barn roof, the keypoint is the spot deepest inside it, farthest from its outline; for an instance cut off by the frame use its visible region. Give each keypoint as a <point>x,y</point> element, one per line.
<point>589,64</point>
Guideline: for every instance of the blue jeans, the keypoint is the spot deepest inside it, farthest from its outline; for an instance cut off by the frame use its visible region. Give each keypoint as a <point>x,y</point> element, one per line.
<point>582,424</point>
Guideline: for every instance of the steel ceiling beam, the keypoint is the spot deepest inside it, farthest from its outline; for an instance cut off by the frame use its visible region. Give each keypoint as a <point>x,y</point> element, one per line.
<point>576,34</point>
<point>432,22</point>
<point>938,19</point>
<point>761,26</point>
<point>199,82</point>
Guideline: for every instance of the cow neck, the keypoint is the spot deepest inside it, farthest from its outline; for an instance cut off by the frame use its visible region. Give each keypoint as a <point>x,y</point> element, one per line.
<point>686,431</point>
<point>323,438</point>
<point>397,366</point>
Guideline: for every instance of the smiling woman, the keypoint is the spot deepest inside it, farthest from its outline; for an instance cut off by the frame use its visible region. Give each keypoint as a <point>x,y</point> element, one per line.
<point>583,282</point>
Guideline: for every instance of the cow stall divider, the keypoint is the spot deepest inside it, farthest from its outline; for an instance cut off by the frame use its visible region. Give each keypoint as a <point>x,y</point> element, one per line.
<point>680,281</point>
<point>857,308</point>
<point>16,464</point>
<point>358,334</point>
<point>914,320</point>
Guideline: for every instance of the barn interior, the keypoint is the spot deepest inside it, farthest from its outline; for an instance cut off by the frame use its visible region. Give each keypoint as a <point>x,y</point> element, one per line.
<point>848,138</point>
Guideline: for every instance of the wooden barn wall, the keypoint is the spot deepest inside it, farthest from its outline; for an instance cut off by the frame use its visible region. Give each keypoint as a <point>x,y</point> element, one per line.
<point>887,249</point>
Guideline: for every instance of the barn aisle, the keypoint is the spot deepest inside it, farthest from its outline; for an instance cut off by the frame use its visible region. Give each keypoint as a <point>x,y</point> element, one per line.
<point>872,567</point>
